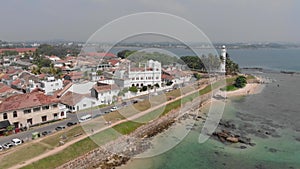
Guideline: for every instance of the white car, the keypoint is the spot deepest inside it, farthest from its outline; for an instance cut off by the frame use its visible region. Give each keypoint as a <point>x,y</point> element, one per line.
<point>16,141</point>
<point>1,148</point>
<point>114,108</point>
<point>7,145</point>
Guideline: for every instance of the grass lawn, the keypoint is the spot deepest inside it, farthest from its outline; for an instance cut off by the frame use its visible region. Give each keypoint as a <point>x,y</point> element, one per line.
<point>54,139</point>
<point>229,88</point>
<point>75,150</point>
<point>22,154</point>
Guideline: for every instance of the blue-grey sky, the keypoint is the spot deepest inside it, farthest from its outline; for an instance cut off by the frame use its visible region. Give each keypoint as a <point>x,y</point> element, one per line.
<point>220,20</point>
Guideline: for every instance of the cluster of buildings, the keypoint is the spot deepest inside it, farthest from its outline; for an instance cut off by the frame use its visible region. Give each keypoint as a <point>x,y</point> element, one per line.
<point>87,80</point>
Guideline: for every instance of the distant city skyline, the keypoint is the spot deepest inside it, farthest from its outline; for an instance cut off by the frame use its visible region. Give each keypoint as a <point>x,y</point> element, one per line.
<point>222,21</point>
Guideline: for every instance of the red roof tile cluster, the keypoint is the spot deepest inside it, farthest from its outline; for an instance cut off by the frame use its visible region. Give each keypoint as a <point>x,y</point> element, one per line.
<point>6,89</point>
<point>16,82</point>
<point>113,62</point>
<point>71,98</point>
<point>167,77</point>
<point>27,100</point>
<point>75,75</point>
<point>103,87</point>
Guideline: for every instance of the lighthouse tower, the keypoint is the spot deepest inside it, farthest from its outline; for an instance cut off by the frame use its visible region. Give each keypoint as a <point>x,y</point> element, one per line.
<point>223,61</point>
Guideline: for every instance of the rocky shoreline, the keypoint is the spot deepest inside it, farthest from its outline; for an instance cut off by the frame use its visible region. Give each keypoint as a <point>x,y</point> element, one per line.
<point>120,151</point>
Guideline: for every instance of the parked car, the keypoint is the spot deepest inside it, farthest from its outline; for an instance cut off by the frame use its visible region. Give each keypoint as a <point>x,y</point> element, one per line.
<point>114,108</point>
<point>16,141</point>
<point>124,103</point>
<point>135,101</point>
<point>106,112</point>
<point>58,128</point>
<point>7,145</point>
<point>69,124</point>
<point>44,133</point>
<point>1,148</point>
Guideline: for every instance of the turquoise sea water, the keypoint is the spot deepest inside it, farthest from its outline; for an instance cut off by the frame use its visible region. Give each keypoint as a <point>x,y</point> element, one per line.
<point>275,110</point>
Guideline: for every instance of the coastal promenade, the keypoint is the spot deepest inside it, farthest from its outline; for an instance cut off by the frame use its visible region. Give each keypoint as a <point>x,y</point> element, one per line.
<point>136,116</point>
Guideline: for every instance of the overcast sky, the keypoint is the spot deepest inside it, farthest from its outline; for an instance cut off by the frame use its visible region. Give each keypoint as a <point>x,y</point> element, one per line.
<point>220,20</point>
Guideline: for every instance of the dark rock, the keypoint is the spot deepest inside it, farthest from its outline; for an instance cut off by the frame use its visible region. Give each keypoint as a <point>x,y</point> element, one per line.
<point>243,147</point>
<point>252,144</point>
<point>273,150</point>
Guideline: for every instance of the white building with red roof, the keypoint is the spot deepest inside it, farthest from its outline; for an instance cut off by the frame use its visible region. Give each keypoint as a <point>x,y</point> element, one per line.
<point>31,109</point>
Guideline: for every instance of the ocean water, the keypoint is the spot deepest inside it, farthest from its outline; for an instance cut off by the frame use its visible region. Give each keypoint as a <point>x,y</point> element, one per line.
<point>269,58</point>
<point>271,119</point>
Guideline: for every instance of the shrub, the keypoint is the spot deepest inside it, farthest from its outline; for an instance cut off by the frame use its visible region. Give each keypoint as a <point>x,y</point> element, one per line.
<point>133,89</point>
<point>240,82</point>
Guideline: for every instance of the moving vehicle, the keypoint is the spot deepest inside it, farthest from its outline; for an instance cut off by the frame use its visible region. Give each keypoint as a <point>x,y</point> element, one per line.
<point>16,141</point>
<point>85,118</point>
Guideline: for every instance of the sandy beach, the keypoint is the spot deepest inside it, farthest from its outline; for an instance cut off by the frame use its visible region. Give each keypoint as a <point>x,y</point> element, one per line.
<point>249,89</point>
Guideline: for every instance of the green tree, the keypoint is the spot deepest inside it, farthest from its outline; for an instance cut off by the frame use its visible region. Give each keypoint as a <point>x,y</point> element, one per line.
<point>197,76</point>
<point>240,82</point>
<point>133,89</point>
<point>231,67</point>
<point>144,88</point>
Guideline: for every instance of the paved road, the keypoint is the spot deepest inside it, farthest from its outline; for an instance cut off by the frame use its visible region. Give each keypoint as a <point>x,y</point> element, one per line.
<point>71,117</point>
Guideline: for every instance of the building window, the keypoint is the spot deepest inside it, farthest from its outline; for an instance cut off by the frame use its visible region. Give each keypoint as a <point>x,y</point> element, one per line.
<point>4,116</point>
<point>44,118</point>
<point>137,78</point>
<point>27,111</point>
<point>29,121</point>
<point>84,105</point>
<point>142,78</point>
<point>16,124</point>
<point>157,77</point>
<point>62,114</point>
<point>132,79</point>
<point>45,107</point>
<point>55,116</point>
<point>15,114</point>
<point>36,109</point>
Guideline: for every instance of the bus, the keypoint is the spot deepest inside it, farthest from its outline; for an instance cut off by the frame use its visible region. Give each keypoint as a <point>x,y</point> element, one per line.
<point>85,118</point>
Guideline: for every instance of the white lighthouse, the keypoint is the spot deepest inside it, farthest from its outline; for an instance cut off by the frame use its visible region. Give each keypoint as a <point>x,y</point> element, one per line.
<point>223,60</point>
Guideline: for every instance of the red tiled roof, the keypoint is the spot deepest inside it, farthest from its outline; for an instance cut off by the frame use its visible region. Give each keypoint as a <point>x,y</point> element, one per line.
<point>113,62</point>
<point>165,76</point>
<point>27,100</point>
<point>65,88</point>
<point>71,98</point>
<point>6,77</point>
<point>102,87</point>
<point>16,82</point>
<point>42,76</point>
<point>75,75</point>
<point>6,89</point>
